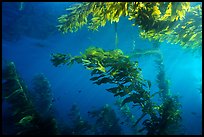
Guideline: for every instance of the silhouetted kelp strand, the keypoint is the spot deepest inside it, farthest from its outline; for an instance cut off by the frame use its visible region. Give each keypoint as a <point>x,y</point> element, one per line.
<point>106,121</point>
<point>26,120</point>
<point>16,95</point>
<point>41,94</point>
<point>14,86</point>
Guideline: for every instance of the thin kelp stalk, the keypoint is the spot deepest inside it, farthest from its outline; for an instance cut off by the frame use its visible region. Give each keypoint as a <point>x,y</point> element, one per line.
<point>116,35</point>
<point>140,53</point>
<point>163,83</point>
<point>169,111</point>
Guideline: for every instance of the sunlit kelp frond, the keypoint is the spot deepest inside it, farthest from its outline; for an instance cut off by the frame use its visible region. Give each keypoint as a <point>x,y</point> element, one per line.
<point>94,14</point>
<point>161,17</point>
<point>176,22</point>
<point>148,15</point>
<point>187,32</point>
<point>115,68</point>
<point>158,18</point>
<point>75,19</point>
<point>112,66</point>
<point>173,11</point>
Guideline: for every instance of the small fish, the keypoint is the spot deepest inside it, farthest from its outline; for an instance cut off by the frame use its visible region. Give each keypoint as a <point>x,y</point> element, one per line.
<point>193,113</point>
<point>134,105</point>
<point>103,80</point>
<point>114,89</point>
<point>21,7</point>
<point>149,83</point>
<point>79,91</point>
<point>25,120</point>
<point>127,100</point>
<point>121,94</point>
<point>55,99</point>
<point>122,123</point>
<point>94,78</point>
<point>40,45</point>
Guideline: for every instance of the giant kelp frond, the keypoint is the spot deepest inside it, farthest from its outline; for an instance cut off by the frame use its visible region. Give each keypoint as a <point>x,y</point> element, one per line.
<point>75,19</point>
<point>171,21</point>
<point>108,66</point>
<point>113,67</point>
<point>186,32</point>
<point>95,14</point>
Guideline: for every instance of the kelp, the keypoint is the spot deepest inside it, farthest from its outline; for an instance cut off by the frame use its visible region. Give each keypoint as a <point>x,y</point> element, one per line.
<point>169,118</point>
<point>41,95</point>
<point>186,32</point>
<point>176,22</point>
<point>115,68</point>
<point>78,125</point>
<point>111,67</point>
<point>127,115</point>
<point>107,122</point>
<point>16,93</point>
<point>26,120</point>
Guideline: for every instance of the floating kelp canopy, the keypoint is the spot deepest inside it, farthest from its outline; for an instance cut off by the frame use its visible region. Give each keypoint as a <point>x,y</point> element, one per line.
<point>176,22</point>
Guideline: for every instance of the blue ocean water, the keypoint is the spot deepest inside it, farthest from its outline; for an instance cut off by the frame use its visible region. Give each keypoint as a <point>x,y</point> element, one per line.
<point>30,37</point>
